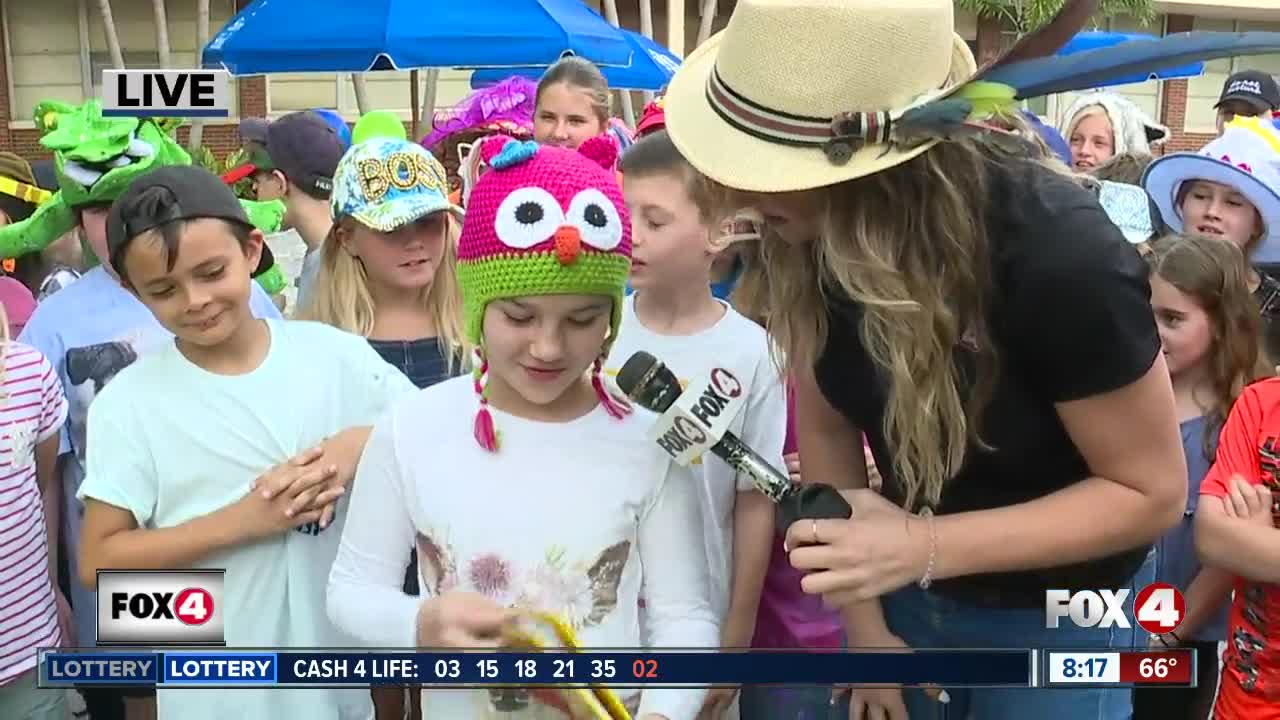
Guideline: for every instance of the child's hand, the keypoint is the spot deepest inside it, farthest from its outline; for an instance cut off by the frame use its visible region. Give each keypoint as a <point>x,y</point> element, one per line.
<point>342,452</point>
<point>289,495</point>
<point>462,620</point>
<point>308,462</point>
<point>1249,502</point>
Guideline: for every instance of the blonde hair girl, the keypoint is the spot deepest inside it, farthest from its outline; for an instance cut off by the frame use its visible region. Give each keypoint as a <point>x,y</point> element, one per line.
<point>389,274</point>
<point>344,299</point>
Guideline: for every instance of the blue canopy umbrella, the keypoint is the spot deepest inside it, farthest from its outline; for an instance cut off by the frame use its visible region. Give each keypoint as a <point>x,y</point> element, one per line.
<point>652,67</point>
<point>272,36</point>
<point>1093,40</point>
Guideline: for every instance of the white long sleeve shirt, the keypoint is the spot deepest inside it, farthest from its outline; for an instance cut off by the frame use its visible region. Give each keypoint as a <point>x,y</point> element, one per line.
<point>572,518</point>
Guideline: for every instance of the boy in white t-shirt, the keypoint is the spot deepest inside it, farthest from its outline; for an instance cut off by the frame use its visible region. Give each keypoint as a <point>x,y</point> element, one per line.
<point>232,446</point>
<point>673,315</point>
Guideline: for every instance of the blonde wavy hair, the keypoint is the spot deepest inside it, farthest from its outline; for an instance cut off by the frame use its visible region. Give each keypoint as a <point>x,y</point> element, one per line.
<point>923,281</point>
<point>341,297</point>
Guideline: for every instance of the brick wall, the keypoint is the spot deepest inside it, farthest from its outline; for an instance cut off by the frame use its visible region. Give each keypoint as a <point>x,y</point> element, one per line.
<point>1173,103</point>
<point>222,139</point>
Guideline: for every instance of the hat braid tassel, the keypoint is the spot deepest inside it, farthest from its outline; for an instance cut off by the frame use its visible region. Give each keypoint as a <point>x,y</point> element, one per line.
<point>484,431</point>
<point>615,406</point>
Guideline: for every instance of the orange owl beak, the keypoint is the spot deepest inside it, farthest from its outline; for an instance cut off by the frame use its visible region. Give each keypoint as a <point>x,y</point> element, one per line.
<point>568,243</point>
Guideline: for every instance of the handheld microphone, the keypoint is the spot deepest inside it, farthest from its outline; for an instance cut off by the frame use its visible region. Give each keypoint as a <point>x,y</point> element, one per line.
<point>697,420</point>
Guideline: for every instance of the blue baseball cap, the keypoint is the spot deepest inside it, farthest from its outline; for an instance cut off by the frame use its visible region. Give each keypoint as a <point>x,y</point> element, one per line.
<point>387,183</point>
<point>338,124</point>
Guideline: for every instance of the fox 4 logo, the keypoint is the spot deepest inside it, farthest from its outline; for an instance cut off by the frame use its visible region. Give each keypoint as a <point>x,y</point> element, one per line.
<point>151,607</point>
<point>1158,608</point>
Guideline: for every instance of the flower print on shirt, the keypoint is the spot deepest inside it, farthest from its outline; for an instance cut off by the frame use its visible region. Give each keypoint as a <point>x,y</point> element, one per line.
<point>582,591</point>
<point>582,595</point>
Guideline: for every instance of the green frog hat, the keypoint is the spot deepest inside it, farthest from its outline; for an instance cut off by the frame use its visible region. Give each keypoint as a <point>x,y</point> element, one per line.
<point>95,159</point>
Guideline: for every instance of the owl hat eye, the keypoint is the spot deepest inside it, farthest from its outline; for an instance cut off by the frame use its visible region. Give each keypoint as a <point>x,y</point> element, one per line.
<point>527,217</point>
<point>596,218</point>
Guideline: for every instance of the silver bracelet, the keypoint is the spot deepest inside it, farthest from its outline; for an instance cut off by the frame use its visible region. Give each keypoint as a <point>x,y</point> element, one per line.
<point>927,579</point>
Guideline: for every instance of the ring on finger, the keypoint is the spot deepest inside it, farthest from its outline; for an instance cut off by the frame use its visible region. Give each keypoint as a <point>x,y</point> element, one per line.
<point>813,527</point>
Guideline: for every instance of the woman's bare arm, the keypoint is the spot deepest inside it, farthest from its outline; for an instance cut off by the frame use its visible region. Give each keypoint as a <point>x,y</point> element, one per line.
<point>831,453</point>
<point>1129,438</point>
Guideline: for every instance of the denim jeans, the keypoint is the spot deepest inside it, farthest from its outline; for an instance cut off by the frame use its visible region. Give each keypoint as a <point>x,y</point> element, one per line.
<point>767,702</point>
<point>927,620</point>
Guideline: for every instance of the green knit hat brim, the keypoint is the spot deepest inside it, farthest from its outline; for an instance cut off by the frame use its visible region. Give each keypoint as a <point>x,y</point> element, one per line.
<point>516,275</point>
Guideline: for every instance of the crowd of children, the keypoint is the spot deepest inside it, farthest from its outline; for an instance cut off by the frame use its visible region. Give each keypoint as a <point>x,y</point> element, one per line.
<point>433,446</point>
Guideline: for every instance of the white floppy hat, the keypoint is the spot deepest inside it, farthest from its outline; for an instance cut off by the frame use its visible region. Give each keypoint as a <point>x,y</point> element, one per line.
<point>753,106</point>
<point>1246,157</point>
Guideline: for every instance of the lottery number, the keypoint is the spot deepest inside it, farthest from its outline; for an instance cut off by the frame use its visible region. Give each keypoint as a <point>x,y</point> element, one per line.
<point>603,669</point>
<point>488,668</point>
<point>646,669</point>
<point>563,670</point>
<point>450,669</point>
<point>527,669</point>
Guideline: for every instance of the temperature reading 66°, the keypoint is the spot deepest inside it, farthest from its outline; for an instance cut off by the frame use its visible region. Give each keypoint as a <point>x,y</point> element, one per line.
<point>1156,667</point>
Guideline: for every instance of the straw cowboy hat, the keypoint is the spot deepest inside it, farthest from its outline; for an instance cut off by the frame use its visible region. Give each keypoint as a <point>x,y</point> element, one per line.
<point>752,106</point>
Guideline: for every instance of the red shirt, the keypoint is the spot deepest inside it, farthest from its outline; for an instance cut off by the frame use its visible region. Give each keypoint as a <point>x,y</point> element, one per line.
<point>1250,447</point>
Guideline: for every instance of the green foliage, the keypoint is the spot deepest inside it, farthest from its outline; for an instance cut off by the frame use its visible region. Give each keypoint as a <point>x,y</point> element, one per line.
<point>207,160</point>
<point>1026,15</point>
<point>244,188</point>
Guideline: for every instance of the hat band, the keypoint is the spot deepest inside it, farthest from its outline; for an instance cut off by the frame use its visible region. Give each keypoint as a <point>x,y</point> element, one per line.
<point>838,137</point>
<point>24,192</point>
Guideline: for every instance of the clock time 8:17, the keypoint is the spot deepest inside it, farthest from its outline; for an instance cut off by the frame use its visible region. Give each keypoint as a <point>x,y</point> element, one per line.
<point>1088,668</point>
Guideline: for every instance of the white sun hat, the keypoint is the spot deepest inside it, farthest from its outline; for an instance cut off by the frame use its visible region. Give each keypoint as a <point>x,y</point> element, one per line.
<point>753,106</point>
<point>1246,157</point>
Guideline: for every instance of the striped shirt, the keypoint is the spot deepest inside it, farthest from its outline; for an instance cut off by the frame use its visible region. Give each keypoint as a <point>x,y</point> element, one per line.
<point>32,410</point>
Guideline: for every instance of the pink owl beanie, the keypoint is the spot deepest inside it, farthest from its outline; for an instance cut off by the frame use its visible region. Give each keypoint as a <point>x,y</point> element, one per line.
<point>543,221</point>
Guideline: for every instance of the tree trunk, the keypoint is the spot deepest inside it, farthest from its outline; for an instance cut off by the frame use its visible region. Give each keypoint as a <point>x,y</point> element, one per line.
<point>362,93</point>
<point>414,107</point>
<point>162,35</point>
<point>628,112</point>
<point>429,103</point>
<point>202,39</point>
<point>113,40</point>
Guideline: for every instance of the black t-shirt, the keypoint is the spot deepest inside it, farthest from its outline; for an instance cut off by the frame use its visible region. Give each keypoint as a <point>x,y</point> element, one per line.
<point>1070,315</point>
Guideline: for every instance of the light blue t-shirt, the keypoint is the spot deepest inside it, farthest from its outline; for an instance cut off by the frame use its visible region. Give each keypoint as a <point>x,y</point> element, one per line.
<point>170,441</point>
<point>90,330</point>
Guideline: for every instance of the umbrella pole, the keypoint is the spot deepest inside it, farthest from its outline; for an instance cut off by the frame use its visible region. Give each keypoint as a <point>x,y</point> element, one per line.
<point>646,29</point>
<point>413,103</point>
<point>628,112</point>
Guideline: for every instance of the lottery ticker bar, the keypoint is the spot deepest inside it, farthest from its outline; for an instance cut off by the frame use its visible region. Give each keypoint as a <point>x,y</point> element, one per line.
<point>615,668</point>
